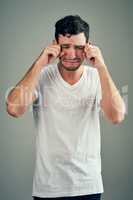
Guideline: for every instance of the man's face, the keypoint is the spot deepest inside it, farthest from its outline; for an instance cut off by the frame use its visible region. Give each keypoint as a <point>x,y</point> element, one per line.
<point>72,48</point>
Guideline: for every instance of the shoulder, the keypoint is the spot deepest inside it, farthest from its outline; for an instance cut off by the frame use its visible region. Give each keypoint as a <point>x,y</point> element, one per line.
<point>50,68</point>
<point>48,71</point>
<point>91,72</point>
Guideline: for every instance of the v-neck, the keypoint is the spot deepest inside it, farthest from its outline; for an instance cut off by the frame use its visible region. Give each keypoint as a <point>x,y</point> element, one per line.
<point>68,85</point>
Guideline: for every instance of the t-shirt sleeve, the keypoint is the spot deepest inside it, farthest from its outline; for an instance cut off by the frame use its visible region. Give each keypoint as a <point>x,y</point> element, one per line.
<point>37,88</point>
<point>98,90</point>
<point>37,92</point>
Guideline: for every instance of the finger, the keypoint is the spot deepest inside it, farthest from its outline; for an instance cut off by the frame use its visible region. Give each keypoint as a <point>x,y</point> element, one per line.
<point>84,55</point>
<point>52,52</point>
<point>54,48</point>
<point>55,53</point>
<point>89,45</point>
<point>92,59</point>
<point>53,45</point>
<point>61,54</point>
<point>89,53</point>
<point>90,49</point>
<point>86,49</point>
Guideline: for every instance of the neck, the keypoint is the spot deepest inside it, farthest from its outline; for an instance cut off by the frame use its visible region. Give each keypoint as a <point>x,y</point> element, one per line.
<point>71,76</point>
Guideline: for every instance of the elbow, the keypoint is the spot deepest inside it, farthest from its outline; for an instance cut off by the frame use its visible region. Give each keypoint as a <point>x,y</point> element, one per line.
<point>119,115</point>
<point>115,117</point>
<point>14,112</point>
<point>118,118</point>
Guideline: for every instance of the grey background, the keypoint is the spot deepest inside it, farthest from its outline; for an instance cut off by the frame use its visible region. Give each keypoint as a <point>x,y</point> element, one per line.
<point>26,27</point>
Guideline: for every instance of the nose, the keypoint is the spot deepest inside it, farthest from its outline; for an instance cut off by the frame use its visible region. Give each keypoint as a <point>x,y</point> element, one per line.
<point>71,53</point>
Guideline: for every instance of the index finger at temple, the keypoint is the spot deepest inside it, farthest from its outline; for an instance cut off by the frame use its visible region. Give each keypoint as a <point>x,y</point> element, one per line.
<point>87,47</point>
<point>61,54</point>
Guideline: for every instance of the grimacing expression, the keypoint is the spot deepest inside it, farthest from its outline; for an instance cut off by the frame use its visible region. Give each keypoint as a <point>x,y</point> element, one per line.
<point>73,49</point>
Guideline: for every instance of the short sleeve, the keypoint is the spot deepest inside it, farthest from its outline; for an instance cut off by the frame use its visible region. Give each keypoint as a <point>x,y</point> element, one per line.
<point>39,81</point>
<point>37,92</point>
<point>98,90</point>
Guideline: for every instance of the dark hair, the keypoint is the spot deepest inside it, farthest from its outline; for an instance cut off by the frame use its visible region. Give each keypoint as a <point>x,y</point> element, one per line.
<point>71,24</point>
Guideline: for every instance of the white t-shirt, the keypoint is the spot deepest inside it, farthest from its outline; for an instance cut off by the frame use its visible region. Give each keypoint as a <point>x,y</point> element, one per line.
<point>68,160</point>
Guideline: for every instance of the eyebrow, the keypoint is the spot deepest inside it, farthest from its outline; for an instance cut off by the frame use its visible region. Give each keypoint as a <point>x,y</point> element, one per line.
<point>79,45</point>
<point>73,45</point>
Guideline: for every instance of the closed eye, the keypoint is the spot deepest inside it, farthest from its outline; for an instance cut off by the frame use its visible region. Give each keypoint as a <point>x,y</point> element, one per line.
<point>65,46</point>
<point>79,47</point>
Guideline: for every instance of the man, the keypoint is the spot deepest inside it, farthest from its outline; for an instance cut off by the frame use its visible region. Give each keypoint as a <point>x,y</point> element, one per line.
<point>66,99</point>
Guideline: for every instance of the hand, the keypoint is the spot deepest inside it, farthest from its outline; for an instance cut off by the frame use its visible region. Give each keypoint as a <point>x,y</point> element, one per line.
<point>94,56</point>
<point>49,54</point>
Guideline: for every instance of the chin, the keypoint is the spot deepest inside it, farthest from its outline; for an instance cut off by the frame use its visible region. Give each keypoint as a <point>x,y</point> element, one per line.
<point>70,67</point>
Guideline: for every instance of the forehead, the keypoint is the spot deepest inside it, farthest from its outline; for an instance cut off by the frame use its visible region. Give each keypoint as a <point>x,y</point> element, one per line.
<point>78,39</point>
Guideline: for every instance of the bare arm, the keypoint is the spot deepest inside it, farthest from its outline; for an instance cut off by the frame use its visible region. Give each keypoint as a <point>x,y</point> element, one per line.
<point>112,103</point>
<point>22,95</point>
